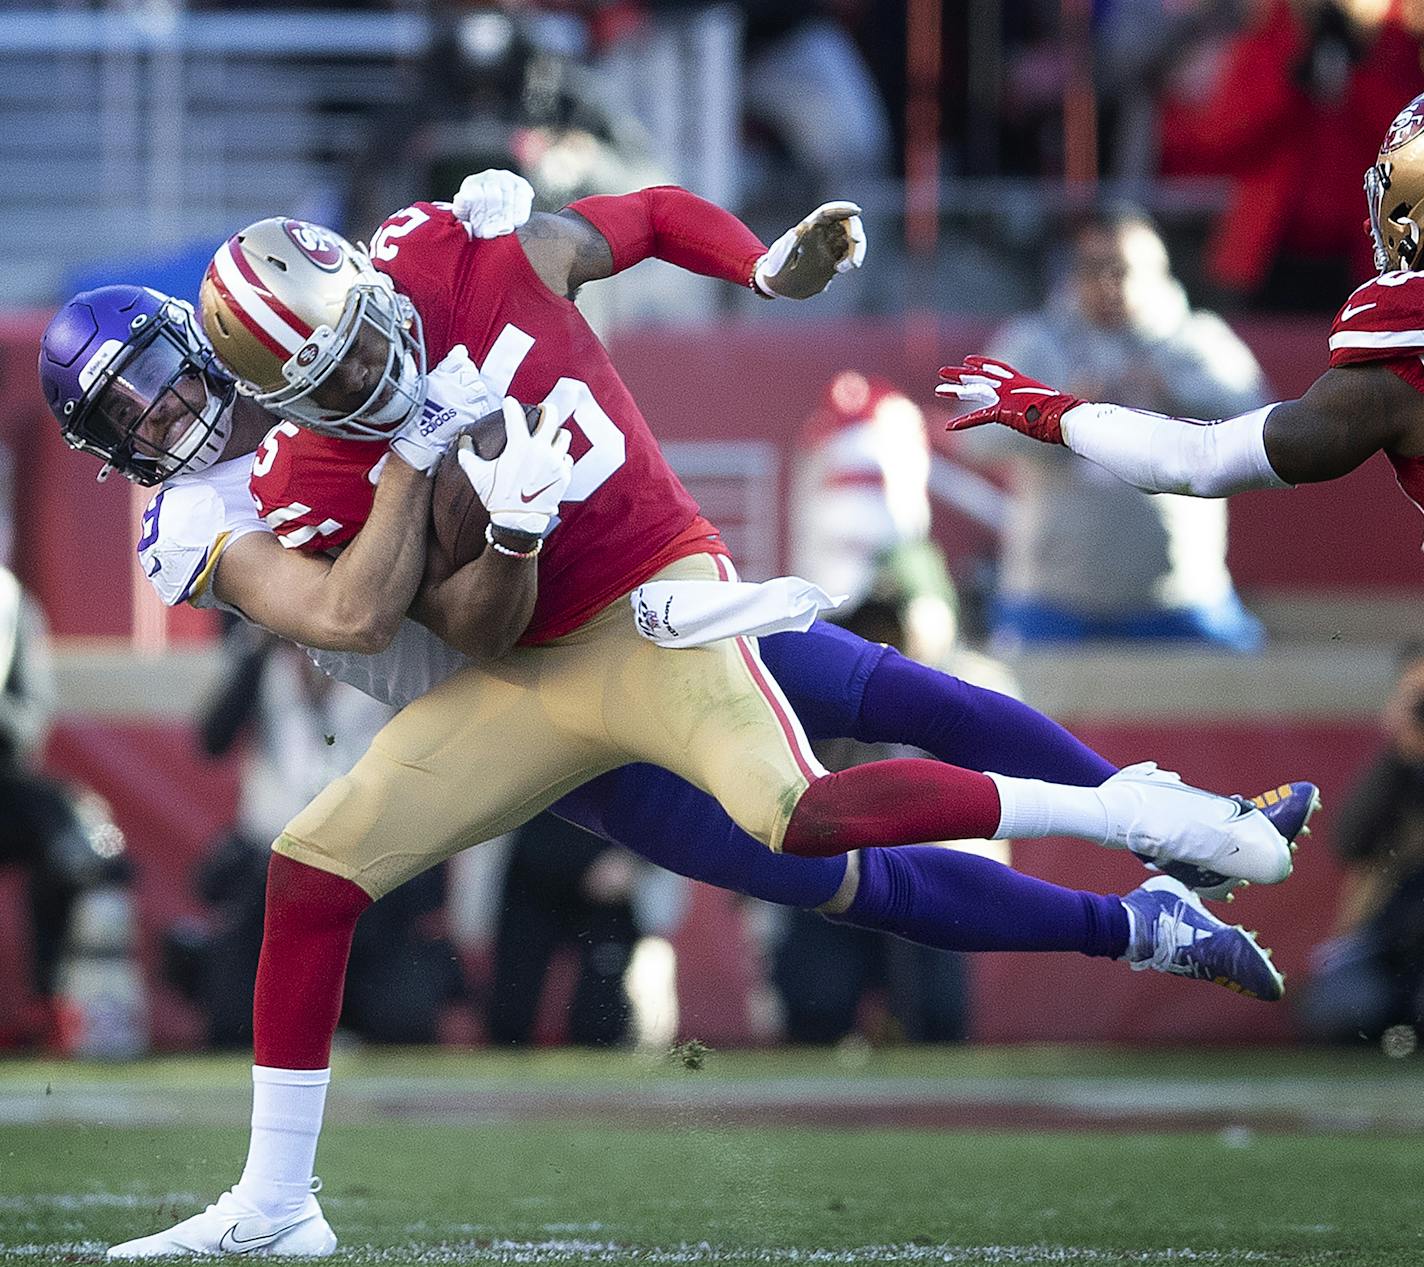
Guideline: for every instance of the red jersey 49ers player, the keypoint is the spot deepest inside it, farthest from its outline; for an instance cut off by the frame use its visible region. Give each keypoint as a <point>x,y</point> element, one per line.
<point>586,692</point>
<point>625,515</point>
<point>1370,399</point>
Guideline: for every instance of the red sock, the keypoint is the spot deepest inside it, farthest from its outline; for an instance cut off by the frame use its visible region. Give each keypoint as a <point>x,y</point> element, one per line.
<point>900,802</point>
<point>306,940</point>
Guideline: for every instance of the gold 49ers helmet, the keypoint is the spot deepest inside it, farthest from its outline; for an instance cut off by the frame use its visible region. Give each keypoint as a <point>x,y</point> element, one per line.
<point>311,330</point>
<point>1394,188</point>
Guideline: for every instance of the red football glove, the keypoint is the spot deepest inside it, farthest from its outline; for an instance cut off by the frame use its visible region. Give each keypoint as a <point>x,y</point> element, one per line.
<point>1005,396</point>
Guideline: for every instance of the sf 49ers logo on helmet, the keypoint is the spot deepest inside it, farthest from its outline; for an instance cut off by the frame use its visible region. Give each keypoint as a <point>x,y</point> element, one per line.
<point>1408,123</point>
<point>319,246</point>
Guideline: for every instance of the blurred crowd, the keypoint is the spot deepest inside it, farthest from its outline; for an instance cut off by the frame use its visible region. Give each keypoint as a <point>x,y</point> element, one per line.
<point>1243,124</point>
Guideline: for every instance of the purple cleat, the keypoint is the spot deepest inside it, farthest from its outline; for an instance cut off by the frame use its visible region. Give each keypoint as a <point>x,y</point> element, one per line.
<point>1173,932</point>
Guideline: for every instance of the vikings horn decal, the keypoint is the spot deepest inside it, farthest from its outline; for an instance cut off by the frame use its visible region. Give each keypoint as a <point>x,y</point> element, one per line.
<point>322,248</point>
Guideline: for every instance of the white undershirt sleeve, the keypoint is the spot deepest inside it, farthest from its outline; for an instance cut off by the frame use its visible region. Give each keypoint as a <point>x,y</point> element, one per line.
<point>1174,455</point>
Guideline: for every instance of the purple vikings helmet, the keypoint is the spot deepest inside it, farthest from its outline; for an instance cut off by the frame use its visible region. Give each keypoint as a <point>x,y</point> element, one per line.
<point>132,380</point>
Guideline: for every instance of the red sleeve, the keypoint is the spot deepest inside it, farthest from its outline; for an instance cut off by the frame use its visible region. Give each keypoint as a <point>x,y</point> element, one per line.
<point>668,223</point>
<point>314,492</point>
<point>1383,320</point>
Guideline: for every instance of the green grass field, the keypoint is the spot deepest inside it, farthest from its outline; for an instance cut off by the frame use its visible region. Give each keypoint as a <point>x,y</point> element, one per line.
<point>929,1156</point>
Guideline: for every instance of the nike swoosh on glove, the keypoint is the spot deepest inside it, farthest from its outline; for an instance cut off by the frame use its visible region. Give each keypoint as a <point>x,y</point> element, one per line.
<point>521,487</point>
<point>999,393</point>
<point>805,259</point>
<point>493,203</point>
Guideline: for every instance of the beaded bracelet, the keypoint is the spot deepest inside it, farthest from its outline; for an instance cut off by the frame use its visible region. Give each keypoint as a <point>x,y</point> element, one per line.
<point>506,551</point>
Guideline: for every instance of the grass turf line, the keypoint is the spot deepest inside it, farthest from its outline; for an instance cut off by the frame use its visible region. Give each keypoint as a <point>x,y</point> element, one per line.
<point>692,1188</point>
<point>560,1193</point>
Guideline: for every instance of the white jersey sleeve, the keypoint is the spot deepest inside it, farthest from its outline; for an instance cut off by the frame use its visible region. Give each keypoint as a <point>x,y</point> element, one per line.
<point>191,520</point>
<point>415,663</point>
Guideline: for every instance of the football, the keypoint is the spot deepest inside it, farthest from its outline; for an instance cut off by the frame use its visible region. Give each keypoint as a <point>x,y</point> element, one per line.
<point>458,517</point>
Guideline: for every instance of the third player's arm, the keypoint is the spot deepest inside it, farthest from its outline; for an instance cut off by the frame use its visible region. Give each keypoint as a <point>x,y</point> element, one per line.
<point>352,603</point>
<point>1348,414</point>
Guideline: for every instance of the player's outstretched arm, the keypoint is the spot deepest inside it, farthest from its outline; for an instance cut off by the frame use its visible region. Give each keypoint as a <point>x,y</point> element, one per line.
<point>354,602</point>
<point>605,234</point>
<point>1348,414</point>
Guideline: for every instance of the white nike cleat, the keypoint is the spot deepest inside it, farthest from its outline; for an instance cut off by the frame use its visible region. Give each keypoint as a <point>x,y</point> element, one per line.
<point>231,1226</point>
<point>1157,816</point>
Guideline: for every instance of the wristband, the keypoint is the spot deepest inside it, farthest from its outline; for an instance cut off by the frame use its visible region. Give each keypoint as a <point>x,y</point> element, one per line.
<point>506,551</point>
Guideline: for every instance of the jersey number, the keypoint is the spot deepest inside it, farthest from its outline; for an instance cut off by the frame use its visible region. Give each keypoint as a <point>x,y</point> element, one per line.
<point>267,450</point>
<point>570,399</point>
<point>385,245</point>
<point>280,518</point>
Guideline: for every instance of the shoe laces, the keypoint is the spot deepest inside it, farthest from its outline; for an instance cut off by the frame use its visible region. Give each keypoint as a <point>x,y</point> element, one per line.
<point>1168,943</point>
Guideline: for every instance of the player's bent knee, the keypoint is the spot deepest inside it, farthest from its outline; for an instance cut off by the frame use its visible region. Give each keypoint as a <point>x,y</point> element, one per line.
<point>761,802</point>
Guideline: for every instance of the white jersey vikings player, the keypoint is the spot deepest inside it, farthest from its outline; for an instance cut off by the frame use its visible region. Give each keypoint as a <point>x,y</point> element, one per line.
<point>193,519</point>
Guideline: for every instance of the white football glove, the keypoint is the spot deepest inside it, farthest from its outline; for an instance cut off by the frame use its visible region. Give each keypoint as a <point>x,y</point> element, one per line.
<point>493,203</point>
<point>805,259</point>
<point>455,396</point>
<point>522,487</point>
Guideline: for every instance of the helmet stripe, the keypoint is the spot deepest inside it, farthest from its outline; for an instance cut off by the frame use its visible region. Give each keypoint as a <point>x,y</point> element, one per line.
<point>252,303</point>
<point>249,274</point>
<point>257,332</point>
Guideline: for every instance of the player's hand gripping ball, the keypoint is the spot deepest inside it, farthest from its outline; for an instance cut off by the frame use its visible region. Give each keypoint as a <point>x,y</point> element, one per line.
<point>458,515</point>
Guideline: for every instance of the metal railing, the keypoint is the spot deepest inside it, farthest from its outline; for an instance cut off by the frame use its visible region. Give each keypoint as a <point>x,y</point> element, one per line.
<point>126,134</point>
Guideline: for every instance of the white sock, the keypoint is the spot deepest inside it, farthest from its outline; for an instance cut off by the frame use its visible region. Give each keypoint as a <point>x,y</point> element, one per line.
<point>1029,808</point>
<point>287,1105</point>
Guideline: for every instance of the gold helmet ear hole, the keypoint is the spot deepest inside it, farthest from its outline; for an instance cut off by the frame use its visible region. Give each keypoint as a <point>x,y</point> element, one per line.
<point>217,319</point>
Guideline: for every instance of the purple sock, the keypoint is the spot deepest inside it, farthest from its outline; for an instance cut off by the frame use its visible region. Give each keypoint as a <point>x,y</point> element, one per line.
<point>905,702</point>
<point>958,901</point>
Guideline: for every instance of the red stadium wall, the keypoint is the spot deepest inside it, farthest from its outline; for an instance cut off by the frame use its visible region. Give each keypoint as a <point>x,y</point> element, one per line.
<point>753,382</point>
<point>739,382</point>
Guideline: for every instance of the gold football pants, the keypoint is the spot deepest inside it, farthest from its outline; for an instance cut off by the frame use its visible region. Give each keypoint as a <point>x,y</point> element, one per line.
<point>495,744</point>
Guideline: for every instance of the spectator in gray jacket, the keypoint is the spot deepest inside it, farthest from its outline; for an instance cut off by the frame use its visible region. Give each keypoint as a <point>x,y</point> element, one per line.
<point>1085,556</point>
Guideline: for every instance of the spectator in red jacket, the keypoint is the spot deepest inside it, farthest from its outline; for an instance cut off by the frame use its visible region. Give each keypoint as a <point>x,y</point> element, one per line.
<point>1295,113</point>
